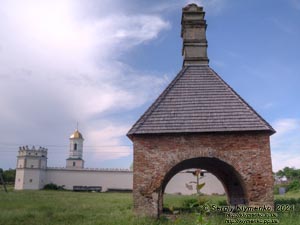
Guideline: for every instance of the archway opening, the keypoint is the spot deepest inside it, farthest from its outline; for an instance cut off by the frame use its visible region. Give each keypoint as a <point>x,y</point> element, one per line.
<point>230,179</point>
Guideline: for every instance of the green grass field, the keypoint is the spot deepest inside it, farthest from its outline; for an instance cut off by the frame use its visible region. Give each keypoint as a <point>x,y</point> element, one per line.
<point>66,207</point>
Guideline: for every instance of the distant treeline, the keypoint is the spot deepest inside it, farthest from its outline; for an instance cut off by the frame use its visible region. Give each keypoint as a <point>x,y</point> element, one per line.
<point>8,175</point>
<point>289,173</point>
<point>293,179</point>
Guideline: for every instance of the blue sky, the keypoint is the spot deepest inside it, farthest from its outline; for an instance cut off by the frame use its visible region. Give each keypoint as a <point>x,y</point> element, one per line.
<point>102,63</point>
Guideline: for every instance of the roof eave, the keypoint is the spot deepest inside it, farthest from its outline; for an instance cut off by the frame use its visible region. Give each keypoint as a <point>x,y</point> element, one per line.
<point>131,135</point>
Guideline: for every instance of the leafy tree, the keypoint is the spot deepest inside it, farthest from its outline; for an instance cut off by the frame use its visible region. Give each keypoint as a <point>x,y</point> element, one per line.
<point>294,185</point>
<point>1,174</point>
<point>9,175</point>
<point>290,173</point>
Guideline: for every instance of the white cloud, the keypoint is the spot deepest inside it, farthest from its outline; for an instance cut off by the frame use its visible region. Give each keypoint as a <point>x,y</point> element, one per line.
<point>283,159</point>
<point>111,146</point>
<point>58,65</point>
<point>286,126</point>
<point>283,25</point>
<point>285,144</point>
<point>295,4</point>
<point>269,105</point>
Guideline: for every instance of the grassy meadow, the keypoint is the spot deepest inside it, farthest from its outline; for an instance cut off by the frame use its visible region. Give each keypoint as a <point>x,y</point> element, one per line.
<point>66,207</point>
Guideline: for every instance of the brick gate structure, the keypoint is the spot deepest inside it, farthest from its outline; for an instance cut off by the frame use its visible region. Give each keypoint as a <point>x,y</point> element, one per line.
<point>199,121</point>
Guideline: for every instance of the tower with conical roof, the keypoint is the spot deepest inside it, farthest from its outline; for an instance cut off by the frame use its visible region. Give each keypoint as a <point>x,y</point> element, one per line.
<point>199,121</point>
<point>75,160</point>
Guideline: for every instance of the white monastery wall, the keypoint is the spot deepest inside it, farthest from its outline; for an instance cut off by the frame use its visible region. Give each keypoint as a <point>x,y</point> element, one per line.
<point>181,183</point>
<point>32,173</point>
<point>85,177</point>
<point>34,179</point>
<point>113,179</point>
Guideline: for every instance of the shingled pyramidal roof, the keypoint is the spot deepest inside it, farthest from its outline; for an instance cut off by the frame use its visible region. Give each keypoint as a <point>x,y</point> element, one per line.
<point>198,100</point>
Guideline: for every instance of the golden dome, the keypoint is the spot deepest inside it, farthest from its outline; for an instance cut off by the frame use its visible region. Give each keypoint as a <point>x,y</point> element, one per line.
<point>76,135</point>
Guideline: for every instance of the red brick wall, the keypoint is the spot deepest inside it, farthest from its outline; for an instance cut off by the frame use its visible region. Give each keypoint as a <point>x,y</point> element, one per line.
<point>155,155</point>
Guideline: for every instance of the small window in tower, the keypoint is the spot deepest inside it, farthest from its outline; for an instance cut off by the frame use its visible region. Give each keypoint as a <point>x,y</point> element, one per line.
<point>32,166</point>
<point>30,180</point>
<point>19,180</point>
<point>74,164</point>
<point>75,146</point>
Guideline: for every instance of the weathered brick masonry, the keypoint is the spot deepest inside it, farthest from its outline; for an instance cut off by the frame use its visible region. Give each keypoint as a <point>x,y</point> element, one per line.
<point>250,180</point>
<point>199,121</point>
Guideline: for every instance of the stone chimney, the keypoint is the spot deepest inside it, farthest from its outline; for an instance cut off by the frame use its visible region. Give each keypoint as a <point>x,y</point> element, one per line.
<point>193,33</point>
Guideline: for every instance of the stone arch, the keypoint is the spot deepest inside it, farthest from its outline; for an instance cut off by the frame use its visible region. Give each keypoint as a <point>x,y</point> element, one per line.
<point>232,181</point>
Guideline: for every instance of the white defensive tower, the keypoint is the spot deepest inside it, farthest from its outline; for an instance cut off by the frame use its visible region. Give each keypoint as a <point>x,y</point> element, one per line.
<point>31,167</point>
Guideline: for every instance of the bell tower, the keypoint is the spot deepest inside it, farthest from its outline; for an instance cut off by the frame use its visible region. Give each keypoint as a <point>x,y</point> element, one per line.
<point>199,121</point>
<point>75,160</point>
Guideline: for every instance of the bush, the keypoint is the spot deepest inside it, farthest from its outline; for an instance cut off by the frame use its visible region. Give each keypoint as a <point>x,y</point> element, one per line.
<point>190,203</point>
<point>52,186</point>
<point>8,175</point>
<point>195,202</point>
<point>289,201</point>
<point>222,203</point>
<point>294,185</point>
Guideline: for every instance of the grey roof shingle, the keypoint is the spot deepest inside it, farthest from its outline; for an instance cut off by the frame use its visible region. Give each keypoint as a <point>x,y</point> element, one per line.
<point>198,100</point>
